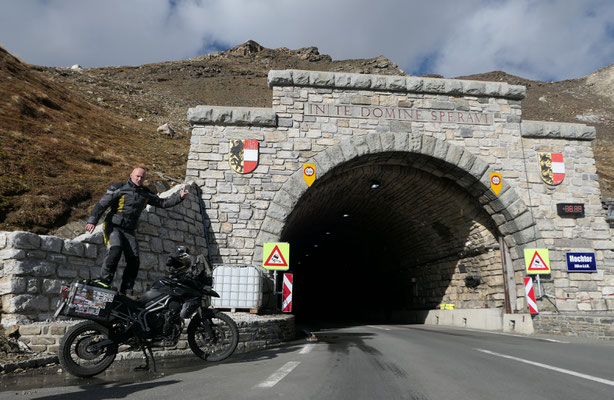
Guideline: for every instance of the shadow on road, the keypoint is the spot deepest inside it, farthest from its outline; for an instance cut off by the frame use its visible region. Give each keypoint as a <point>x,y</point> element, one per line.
<point>102,391</point>
<point>121,379</point>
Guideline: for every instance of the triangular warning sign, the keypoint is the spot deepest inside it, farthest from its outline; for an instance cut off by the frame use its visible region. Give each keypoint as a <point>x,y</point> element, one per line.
<point>537,264</point>
<point>276,259</point>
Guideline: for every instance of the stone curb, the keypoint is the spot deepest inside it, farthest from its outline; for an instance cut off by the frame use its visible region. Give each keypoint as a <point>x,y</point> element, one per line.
<point>395,83</point>
<point>28,364</point>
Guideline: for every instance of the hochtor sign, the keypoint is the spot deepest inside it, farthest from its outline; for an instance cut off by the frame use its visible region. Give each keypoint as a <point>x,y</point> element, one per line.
<point>581,262</point>
<point>398,113</point>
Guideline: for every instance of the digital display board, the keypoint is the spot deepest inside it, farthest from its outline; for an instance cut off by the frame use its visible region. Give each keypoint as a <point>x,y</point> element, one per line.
<point>570,209</point>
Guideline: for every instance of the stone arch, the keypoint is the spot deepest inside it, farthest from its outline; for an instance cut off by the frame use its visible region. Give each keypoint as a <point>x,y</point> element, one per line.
<point>509,212</point>
<point>510,216</point>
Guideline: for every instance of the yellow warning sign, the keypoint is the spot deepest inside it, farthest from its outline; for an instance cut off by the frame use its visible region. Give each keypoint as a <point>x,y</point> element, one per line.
<point>537,261</point>
<point>496,182</point>
<point>276,256</point>
<point>309,173</point>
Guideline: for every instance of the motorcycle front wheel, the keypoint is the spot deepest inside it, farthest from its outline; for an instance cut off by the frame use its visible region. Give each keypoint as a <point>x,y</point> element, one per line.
<point>214,339</point>
<point>77,354</point>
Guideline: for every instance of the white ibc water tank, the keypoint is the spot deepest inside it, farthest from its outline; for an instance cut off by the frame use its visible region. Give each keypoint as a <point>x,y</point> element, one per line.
<point>238,287</point>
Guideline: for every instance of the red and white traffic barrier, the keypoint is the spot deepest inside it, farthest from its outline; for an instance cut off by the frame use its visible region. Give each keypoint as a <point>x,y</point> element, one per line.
<point>286,294</point>
<point>530,292</point>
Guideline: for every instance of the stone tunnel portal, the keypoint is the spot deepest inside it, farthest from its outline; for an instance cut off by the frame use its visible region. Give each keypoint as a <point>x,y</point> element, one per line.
<point>385,234</point>
<point>430,233</point>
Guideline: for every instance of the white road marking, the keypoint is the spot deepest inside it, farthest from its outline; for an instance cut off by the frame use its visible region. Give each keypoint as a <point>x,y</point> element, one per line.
<point>552,340</point>
<point>513,334</point>
<point>307,348</point>
<point>279,375</point>
<point>494,333</point>
<point>546,366</point>
<point>378,327</point>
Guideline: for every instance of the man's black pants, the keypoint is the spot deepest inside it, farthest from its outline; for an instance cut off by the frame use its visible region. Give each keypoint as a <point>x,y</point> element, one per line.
<point>119,240</point>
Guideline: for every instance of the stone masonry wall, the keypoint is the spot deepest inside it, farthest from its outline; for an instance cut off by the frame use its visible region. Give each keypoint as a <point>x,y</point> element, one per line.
<point>591,233</point>
<point>33,267</point>
<point>331,118</point>
<point>243,201</point>
<point>255,332</point>
<point>587,325</point>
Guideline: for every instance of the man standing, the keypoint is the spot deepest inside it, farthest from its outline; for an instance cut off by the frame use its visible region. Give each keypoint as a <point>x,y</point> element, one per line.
<point>126,200</point>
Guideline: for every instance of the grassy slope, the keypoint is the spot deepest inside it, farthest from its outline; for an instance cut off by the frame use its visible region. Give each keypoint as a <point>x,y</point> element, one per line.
<point>58,152</point>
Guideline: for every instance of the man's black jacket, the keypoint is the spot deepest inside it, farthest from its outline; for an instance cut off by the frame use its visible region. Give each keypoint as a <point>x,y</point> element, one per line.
<point>127,201</point>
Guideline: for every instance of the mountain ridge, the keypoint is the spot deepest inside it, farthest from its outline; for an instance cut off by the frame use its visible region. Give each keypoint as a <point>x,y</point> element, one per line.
<point>69,133</point>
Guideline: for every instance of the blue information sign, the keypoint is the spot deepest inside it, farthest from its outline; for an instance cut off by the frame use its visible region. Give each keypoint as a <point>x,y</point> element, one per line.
<point>581,262</point>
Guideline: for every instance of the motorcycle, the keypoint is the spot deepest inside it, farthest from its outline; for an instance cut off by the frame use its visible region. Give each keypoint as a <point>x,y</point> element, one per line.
<point>157,318</point>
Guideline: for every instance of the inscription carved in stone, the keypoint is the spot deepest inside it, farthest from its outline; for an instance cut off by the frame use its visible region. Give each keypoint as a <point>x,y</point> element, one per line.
<point>398,113</point>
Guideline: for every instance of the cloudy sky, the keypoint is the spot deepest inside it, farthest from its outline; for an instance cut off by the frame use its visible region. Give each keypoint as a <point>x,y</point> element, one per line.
<point>535,39</point>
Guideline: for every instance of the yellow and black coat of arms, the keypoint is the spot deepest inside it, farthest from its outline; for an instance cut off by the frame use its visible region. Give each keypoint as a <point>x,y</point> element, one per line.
<point>551,167</point>
<point>243,155</point>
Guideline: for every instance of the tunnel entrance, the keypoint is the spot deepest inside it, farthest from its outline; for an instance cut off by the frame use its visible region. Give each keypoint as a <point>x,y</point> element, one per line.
<point>389,233</point>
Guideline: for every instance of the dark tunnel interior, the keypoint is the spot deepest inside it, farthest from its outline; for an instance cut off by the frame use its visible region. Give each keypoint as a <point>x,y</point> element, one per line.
<point>361,232</point>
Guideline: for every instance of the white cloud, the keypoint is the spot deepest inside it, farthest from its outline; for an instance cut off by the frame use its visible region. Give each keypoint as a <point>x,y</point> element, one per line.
<point>557,39</point>
<point>547,39</point>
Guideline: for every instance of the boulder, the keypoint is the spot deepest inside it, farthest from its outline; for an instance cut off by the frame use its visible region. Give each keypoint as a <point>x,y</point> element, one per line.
<point>166,130</point>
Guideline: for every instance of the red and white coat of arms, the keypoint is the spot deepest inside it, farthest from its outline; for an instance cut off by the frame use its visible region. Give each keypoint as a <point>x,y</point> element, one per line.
<point>243,155</point>
<point>551,167</point>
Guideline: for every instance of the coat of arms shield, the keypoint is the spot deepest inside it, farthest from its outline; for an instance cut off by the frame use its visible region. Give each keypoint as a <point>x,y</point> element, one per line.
<point>243,155</point>
<point>551,168</point>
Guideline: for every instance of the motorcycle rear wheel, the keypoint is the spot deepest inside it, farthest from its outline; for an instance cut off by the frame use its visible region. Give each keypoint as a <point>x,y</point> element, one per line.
<point>217,345</point>
<point>77,356</point>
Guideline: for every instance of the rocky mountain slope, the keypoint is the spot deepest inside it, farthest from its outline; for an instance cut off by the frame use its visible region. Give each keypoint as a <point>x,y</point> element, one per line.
<point>68,133</point>
<point>59,151</point>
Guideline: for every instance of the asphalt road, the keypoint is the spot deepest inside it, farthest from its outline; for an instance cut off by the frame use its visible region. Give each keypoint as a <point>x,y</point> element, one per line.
<point>358,362</point>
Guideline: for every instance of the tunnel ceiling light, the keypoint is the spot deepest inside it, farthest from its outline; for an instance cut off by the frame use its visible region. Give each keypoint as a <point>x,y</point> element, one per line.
<point>327,233</point>
<point>346,215</point>
<point>375,184</point>
<point>315,245</point>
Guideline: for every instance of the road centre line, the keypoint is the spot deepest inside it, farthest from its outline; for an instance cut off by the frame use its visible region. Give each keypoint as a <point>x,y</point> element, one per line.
<point>282,372</point>
<point>278,375</point>
<point>307,348</point>
<point>378,327</point>
<point>546,366</point>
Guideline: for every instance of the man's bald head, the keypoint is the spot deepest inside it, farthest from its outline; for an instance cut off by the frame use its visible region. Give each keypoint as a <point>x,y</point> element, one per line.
<point>138,176</point>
